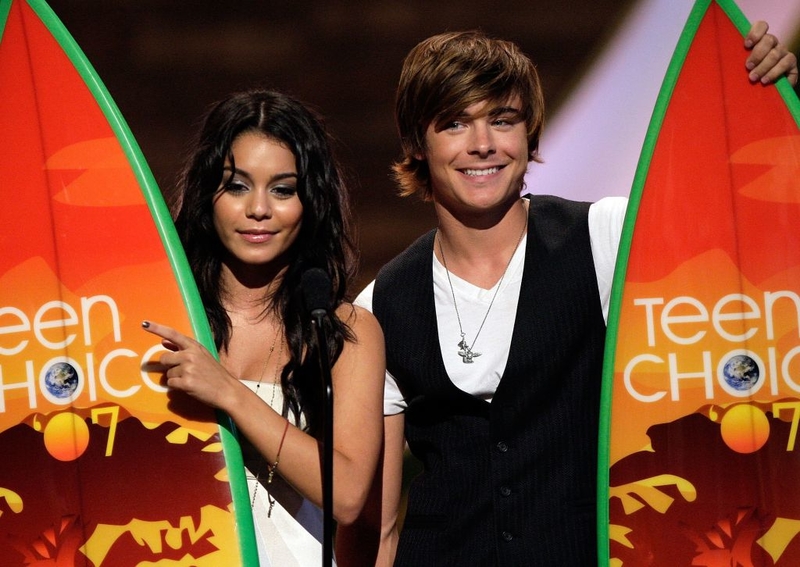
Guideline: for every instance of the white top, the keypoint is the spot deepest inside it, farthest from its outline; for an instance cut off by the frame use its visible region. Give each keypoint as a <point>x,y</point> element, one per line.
<point>291,536</point>
<point>481,377</point>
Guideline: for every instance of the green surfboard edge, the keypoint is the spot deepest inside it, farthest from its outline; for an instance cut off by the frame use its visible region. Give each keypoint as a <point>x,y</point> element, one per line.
<point>623,254</point>
<point>5,8</point>
<point>654,128</point>
<point>174,250</point>
<point>784,87</point>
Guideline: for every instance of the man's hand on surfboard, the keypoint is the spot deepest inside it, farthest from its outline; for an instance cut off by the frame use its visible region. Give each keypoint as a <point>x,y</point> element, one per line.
<point>769,59</point>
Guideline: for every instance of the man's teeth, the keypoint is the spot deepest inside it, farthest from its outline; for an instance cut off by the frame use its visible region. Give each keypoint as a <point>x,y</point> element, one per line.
<point>476,172</point>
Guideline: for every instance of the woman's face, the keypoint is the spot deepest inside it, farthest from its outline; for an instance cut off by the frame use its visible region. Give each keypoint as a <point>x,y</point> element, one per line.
<point>257,212</point>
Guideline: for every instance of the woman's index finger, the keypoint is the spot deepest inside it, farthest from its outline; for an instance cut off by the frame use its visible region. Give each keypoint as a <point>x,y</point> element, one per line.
<point>165,332</point>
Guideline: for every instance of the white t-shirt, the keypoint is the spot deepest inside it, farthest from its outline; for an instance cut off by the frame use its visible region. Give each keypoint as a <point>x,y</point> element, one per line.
<point>481,377</point>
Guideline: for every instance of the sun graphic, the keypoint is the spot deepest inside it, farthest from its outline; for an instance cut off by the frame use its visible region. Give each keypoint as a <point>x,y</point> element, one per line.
<point>66,436</point>
<point>744,428</point>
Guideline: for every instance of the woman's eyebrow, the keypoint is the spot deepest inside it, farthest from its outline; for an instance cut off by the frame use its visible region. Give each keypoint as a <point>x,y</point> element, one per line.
<point>276,177</point>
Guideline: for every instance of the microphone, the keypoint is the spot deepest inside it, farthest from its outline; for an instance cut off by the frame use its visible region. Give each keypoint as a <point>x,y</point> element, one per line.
<point>316,287</point>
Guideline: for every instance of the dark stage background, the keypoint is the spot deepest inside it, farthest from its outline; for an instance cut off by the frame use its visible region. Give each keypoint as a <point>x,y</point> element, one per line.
<point>165,61</point>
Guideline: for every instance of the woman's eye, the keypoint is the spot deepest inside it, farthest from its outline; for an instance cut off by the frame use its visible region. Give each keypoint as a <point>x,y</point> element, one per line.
<point>285,190</point>
<point>235,187</point>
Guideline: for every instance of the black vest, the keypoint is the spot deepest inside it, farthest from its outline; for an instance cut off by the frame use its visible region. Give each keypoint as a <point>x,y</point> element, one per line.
<point>511,482</point>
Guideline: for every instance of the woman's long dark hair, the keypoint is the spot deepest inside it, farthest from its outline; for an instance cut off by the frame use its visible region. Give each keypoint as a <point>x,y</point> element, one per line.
<point>324,240</point>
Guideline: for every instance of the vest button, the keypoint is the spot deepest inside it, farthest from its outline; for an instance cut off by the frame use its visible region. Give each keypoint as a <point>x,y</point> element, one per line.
<point>507,536</point>
<point>505,491</point>
<point>502,447</point>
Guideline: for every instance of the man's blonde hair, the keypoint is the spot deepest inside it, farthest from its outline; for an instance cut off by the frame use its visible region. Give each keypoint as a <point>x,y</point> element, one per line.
<point>445,74</point>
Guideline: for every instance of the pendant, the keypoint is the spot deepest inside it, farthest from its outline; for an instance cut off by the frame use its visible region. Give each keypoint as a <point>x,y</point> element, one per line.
<point>465,352</point>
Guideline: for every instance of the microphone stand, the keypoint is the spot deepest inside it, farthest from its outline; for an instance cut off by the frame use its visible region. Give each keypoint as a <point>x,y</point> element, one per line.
<point>317,318</point>
<point>315,286</point>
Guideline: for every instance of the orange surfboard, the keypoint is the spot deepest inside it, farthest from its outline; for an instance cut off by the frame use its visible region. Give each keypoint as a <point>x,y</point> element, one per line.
<point>98,465</point>
<point>699,452</point>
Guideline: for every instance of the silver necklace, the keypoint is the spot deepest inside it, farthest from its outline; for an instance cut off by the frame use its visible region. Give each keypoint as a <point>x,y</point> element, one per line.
<point>465,350</point>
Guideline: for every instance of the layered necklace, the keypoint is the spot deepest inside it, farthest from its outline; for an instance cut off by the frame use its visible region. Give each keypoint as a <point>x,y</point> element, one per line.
<point>270,468</point>
<point>464,348</point>
<point>277,368</point>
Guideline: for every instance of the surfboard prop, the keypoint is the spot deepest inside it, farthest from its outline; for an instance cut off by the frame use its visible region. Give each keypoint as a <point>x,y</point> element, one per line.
<point>100,466</point>
<point>699,455</point>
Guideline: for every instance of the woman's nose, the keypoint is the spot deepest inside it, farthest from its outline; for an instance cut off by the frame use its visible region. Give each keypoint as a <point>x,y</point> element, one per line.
<point>258,205</point>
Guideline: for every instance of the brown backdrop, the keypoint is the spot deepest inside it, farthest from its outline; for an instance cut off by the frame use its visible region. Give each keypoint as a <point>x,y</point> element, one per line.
<point>165,61</point>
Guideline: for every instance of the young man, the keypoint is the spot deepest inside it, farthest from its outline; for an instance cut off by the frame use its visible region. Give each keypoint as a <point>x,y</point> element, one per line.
<point>495,322</point>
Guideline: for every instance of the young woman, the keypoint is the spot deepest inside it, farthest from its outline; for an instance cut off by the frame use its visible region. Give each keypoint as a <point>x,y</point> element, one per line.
<point>262,200</point>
